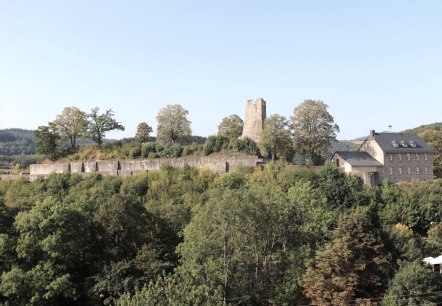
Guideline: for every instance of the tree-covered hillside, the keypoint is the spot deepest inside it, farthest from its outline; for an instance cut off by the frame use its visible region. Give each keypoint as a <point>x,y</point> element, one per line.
<point>437,126</point>
<point>277,236</point>
<point>17,142</point>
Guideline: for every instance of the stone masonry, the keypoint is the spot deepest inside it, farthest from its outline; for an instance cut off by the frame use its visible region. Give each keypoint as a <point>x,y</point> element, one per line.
<point>254,119</point>
<point>217,164</point>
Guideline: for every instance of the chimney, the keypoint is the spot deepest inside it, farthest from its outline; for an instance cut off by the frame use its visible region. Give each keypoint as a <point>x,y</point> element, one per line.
<point>372,133</point>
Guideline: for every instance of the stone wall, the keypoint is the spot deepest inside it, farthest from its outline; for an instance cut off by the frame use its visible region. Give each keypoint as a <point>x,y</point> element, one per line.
<point>217,164</point>
<point>254,119</point>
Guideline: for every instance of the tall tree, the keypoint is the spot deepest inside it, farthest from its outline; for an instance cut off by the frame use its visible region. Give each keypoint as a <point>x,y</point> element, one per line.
<point>143,132</point>
<point>350,266</point>
<point>71,124</point>
<point>275,137</point>
<point>314,128</point>
<point>173,124</point>
<point>47,140</point>
<point>100,124</point>
<point>231,127</point>
<point>414,284</point>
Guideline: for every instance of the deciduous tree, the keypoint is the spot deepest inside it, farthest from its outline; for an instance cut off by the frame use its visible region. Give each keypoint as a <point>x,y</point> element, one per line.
<point>350,266</point>
<point>173,124</point>
<point>414,284</point>
<point>231,127</point>
<point>47,140</point>
<point>71,124</point>
<point>100,124</point>
<point>275,137</point>
<point>314,128</point>
<point>143,132</point>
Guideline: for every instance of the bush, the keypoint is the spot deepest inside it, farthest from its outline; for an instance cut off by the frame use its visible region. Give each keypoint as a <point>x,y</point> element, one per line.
<point>215,144</point>
<point>189,150</point>
<point>135,151</point>
<point>246,145</point>
<point>173,151</point>
<point>147,148</point>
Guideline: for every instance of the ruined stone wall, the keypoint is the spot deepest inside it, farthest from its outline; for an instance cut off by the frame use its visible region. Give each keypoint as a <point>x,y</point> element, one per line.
<point>254,119</point>
<point>217,164</point>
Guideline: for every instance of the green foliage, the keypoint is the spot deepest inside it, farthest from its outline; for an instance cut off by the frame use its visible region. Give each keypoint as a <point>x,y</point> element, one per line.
<point>173,150</point>
<point>173,124</point>
<point>100,124</point>
<point>314,129</point>
<point>71,124</point>
<point>350,266</point>
<point>246,145</point>
<point>143,132</point>
<point>231,127</point>
<point>437,126</point>
<point>414,284</point>
<point>434,140</point>
<point>215,144</point>
<point>276,137</point>
<point>186,236</point>
<point>47,141</point>
<point>342,191</point>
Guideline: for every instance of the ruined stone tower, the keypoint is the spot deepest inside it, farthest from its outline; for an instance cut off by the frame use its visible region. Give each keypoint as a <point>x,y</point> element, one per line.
<point>254,119</point>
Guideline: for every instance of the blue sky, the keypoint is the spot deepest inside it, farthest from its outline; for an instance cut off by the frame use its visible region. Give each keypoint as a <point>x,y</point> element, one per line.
<point>375,63</point>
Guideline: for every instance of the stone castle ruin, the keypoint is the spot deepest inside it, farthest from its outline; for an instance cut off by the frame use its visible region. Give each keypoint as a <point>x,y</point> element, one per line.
<point>254,119</point>
<point>253,126</point>
<point>217,164</point>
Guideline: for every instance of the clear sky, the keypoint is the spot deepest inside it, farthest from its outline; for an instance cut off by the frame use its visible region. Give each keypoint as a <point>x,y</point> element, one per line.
<point>375,63</point>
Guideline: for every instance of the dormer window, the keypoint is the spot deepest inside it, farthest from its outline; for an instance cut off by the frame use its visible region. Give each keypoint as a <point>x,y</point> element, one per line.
<point>412,144</point>
<point>395,144</point>
<point>404,144</point>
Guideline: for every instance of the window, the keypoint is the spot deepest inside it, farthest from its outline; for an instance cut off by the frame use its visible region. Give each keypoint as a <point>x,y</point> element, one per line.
<point>417,170</point>
<point>426,157</point>
<point>426,170</point>
<point>408,156</point>
<point>391,171</point>
<point>391,157</point>
<point>409,170</point>
<point>400,170</point>
<point>417,157</point>
<point>400,157</point>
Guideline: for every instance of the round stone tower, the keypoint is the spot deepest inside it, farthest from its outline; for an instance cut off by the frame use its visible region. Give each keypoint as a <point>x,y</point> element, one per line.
<point>254,119</point>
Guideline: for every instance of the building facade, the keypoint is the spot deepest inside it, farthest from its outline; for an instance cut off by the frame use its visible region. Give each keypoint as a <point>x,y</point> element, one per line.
<point>394,157</point>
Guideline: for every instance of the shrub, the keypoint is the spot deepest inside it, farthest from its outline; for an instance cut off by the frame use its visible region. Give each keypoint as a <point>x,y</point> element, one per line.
<point>173,150</point>
<point>135,151</point>
<point>189,150</point>
<point>215,144</point>
<point>246,145</point>
<point>147,148</point>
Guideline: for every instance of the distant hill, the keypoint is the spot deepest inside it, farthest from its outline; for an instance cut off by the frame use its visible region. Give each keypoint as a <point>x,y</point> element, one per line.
<point>433,126</point>
<point>17,146</point>
<point>17,142</point>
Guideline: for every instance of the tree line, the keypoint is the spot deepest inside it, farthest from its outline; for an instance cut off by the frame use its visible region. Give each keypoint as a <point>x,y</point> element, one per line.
<point>309,133</point>
<point>282,235</point>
